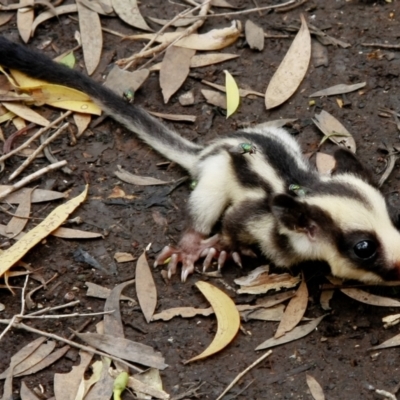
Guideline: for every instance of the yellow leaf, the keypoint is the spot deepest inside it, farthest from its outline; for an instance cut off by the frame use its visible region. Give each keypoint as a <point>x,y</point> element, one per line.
<point>227,316</point>
<point>55,95</point>
<point>12,255</point>
<point>232,94</point>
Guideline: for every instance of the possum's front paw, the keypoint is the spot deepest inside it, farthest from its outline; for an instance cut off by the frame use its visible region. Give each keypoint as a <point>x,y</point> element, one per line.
<point>191,248</point>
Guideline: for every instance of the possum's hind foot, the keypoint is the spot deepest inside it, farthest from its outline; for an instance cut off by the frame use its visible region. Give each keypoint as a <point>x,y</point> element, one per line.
<point>191,248</point>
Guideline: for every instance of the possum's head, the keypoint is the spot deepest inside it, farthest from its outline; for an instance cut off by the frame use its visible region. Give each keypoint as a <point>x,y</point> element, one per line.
<point>345,222</point>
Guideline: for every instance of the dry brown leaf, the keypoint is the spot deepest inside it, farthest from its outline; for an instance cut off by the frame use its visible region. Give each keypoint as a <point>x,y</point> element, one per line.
<point>82,121</point>
<point>371,299</point>
<point>292,69</point>
<point>315,388</point>
<point>175,68</point>
<point>5,17</point>
<point>72,379</point>
<point>127,177</point>
<point>391,320</point>
<point>98,6</point>
<point>334,130</point>
<point>50,359</point>
<point>148,383</point>
<point>392,342</point>
<point>294,311</point>
<point>184,312</point>
<point>325,298</point>
<point>129,12</point>
<point>222,4</point>
<point>46,15</point>
<point>102,390</point>
<point>102,293</point>
<point>254,35</point>
<point>338,89</point>
<point>215,98</point>
<point>203,60</point>
<point>260,281</point>
<point>21,215</point>
<point>325,163</point>
<point>16,359</point>
<point>120,81</point>
<point>113,322</point>
<point>274,313</point>
<point>25,17</point>
<point>26,113</point>
<point>68,233</point>
<point>38,196</point>
<point>145,287</point>
<point>91,36</point>
<point>125,349</point>
<point>174,117</point>
<point>38,354</point>
<point>227,316</point>
<point>121,257</point>
<point>215,39</point>
<point>295,334</point>
<point>26,393</point>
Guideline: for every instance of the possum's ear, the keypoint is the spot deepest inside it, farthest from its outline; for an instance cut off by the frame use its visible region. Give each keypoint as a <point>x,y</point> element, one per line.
<point>295,215</point>
<point>347,162</point>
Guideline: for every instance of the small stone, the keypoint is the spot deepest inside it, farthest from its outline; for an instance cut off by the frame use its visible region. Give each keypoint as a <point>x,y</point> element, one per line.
<point>187,99</point>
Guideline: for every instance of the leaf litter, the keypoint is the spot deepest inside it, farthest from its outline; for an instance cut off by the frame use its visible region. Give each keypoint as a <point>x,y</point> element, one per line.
<point>313,29</point>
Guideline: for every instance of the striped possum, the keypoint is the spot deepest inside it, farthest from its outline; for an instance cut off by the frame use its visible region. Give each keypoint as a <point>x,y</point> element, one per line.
<point>257,186</point>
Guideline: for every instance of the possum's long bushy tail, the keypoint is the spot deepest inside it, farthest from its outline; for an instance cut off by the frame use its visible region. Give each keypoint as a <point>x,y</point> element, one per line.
<point>150,130</point>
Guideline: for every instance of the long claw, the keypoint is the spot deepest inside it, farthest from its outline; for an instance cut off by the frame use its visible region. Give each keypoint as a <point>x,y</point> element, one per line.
<point>172,265</point>
<point>208,260</point>
<point>186,271</point>
<point>237,259</point>
<point>221,259</point>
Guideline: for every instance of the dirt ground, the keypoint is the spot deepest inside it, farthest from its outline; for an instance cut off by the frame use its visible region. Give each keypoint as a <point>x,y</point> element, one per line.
<point>336,353</point>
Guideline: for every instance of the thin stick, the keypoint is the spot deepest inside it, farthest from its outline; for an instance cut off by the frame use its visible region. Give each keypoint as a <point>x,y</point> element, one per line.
<point>35,136</point>
<point>31,178</point>
<point>233,383</point>
<point>44,310</point>
<point>383,45</point>
<point>20,325</point>
<point>291,7</point>
<point>54,136</point>
<point>14,318</point>
<point>251,10</point>
<point>59,316</point>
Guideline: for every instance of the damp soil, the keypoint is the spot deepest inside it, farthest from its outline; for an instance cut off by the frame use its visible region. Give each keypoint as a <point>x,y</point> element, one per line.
<point>336,353</point>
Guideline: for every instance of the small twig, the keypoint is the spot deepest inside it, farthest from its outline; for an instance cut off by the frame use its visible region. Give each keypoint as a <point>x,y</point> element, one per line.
<point>80,328</point>
<point>20,325</point>
<point>244,372</point>
<point>31,178</point>
<point>57,133</point>
<point>14,318</point>
<point>291,7</point>
<point>59,316</point>
<point>382,45</point>
<point>35,136</point>
<point>44,310</point>
<point>251,10</point>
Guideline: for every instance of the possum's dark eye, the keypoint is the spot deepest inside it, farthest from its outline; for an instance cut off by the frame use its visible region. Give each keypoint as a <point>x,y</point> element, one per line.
<point>365,249</point>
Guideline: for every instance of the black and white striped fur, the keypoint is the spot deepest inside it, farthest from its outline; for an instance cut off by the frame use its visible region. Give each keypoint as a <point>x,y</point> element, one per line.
<point>341,219</point>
